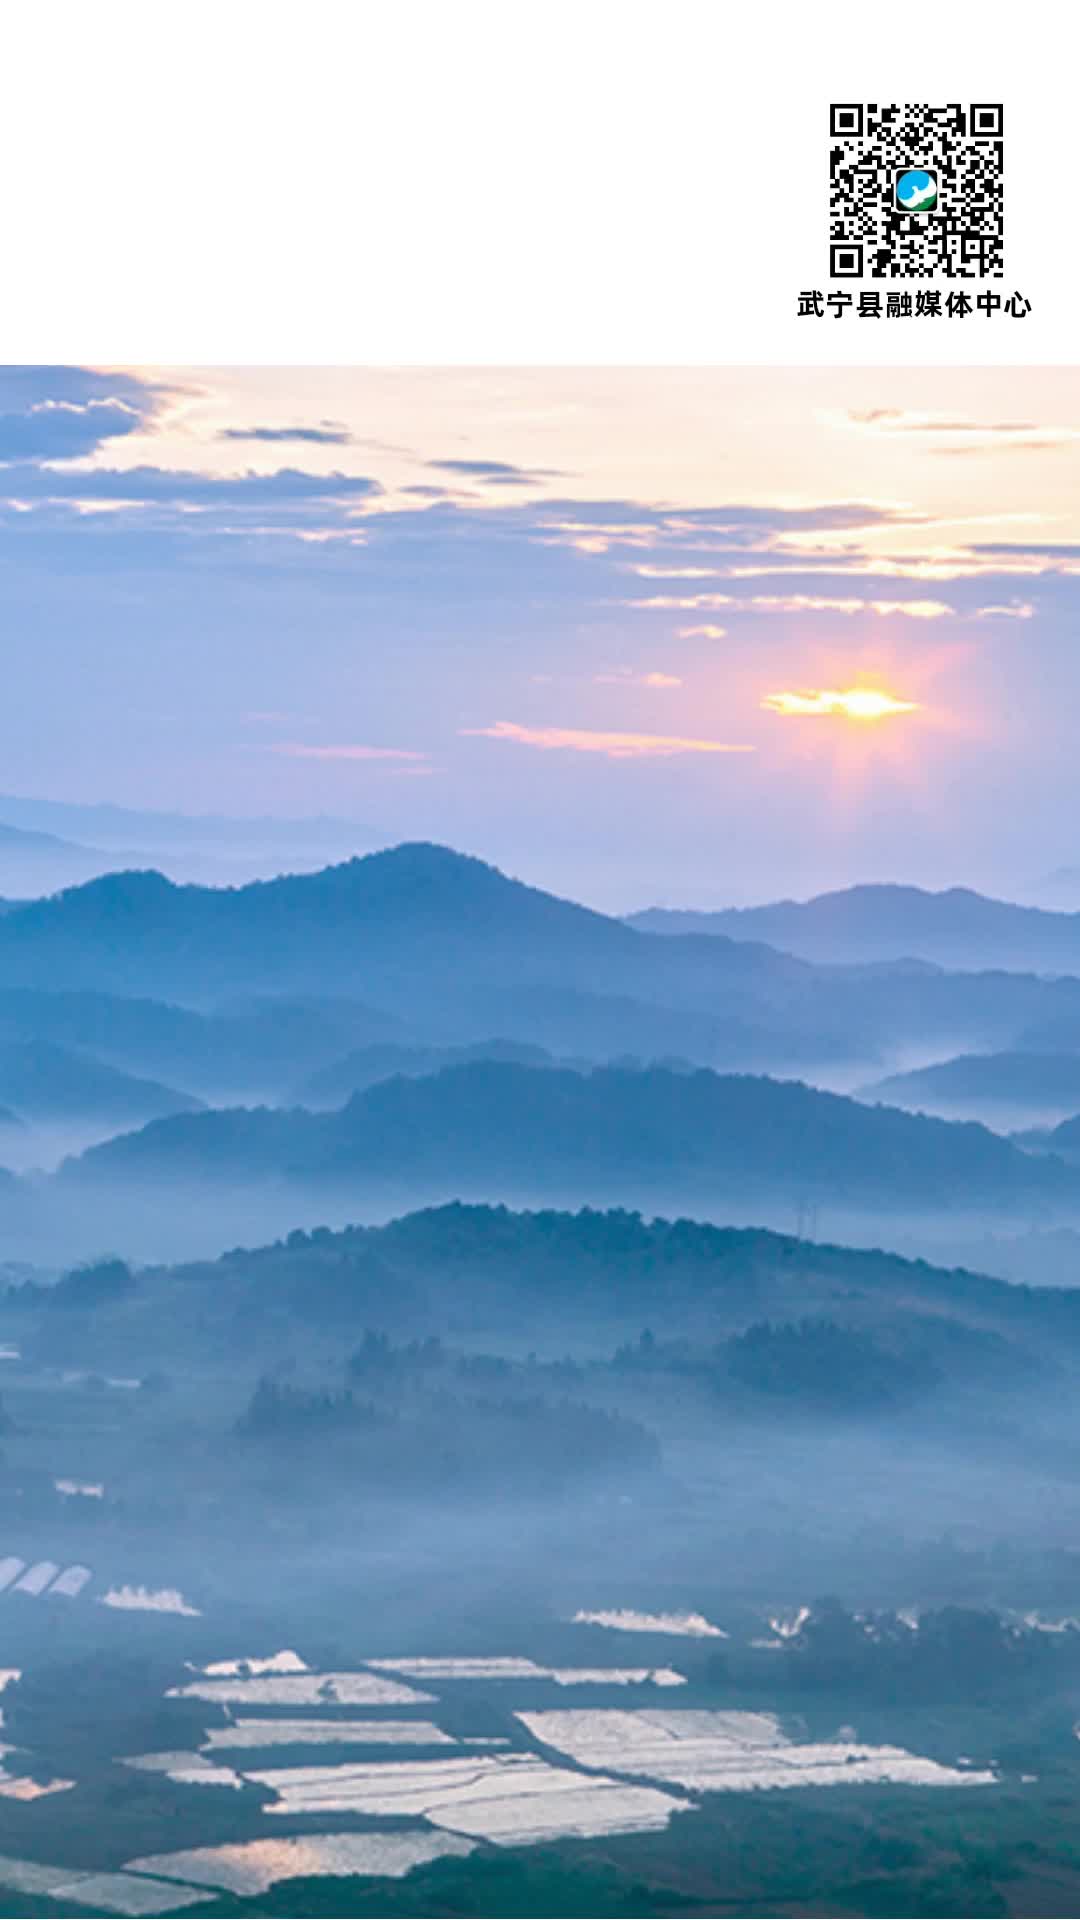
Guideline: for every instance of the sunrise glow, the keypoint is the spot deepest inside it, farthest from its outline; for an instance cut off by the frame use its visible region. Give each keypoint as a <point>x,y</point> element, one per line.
<point>853,703</point>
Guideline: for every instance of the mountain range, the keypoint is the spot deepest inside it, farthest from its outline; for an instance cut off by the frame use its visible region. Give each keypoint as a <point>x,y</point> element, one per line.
<point>116,827</point>
<point>46,845</point>
<point>40,1081</point>
<point>457,950</point>
<point>249,1049</point>
<point>510,1131</point>
<point>974,1082</point>
<point>33,862</point>
<point>953,928</point>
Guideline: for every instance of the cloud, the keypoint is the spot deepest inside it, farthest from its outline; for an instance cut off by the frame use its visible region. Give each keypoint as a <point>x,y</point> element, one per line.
<point>846,563</point>
<point>1015,610</point>
<point>326,435</point>
<point>794,603</point>
<point>63,430</point>
<point>811,603</point>
<point>1040,549</point>
<point>683,602</point>
<point>1052,441</point>
<point>706,632</point>
<point>900,420</point>
<point>736,516</point>
<point>22,388</point>
<point>982,433</point>
<point>68,413</point>
<point>497,473</point>
<point>298,750</point>
<point>614,746</point>
<point>675,573</point>
<point>164,486</point>
<point>626,677</point>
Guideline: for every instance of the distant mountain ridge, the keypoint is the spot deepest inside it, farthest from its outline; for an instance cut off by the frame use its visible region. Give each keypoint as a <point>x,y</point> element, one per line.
<point>26,840</point>
<point>40,1081</point>
<point>250,1049</point>
<point>128,826</point>
<point>954,928</point>
<point>1009,1080</point>
<point>500,1130</point>
<point>363,1067</point>
<point>46,845</point>
<point>445,942</point>
<point>33,861</point>
<point>417,905</point>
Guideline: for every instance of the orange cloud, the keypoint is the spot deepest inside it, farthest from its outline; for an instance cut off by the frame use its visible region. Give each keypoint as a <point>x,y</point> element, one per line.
<point>615,746</point>
<point>792,603</point>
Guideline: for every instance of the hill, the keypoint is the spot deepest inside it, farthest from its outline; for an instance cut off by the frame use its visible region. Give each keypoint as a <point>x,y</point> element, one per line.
<point>459,1267</point>
<point>364,1066</point>
<point>954,928</point>
<point>414,904</point>
<point>1038,1082</point>
<point>502,1130</point>
<point>45,1082</point>
<point>249,1048</point>
<point>1064,1139</point>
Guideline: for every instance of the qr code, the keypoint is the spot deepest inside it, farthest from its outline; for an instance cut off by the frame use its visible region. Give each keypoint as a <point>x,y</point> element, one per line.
<point>916,191</point>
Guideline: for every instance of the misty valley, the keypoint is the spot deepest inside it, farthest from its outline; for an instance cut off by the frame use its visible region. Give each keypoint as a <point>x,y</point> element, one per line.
<point>510,1410</point>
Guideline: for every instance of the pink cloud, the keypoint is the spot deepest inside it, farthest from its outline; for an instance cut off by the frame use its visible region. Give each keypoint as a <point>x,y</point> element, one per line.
<point>614,746</point>
<point>297,750</point>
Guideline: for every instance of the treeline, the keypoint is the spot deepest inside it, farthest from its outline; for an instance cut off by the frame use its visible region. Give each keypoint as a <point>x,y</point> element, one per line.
<point>814,1362</point>
<point>946,1654</point>
<point>619,1257</point>
<point>818,1364</point>
<point>431,1439</point>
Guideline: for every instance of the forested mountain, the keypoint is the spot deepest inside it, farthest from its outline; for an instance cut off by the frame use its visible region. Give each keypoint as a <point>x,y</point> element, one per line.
<point>456,1268</point>
<point>511,1129</point>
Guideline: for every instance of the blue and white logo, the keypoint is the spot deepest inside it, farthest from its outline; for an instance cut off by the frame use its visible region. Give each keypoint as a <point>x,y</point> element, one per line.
<point>916,191</point>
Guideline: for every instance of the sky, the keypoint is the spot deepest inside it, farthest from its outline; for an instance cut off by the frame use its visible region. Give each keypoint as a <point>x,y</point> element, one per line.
<point>601,626</point>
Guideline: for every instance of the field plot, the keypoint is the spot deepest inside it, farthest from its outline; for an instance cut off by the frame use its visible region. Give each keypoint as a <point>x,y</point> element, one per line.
<point>509,1798</point>
<point>267,1732</point>
<point>511,1667</point>
<point>252,1866</point>
<point>711,1752</point>
<point>304,1690</point>
<point>125,1893</point>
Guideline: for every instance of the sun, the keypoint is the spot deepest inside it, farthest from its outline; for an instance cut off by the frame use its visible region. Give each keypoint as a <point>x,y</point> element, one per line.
<point>849,703</point>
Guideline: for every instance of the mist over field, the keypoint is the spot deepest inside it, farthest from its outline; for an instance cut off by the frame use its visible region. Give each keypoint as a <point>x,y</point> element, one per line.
<point>539,1198</point>
<point>452,1339</point>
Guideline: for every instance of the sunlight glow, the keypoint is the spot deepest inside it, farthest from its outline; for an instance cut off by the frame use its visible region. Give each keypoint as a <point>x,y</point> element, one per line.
<point>853,703</point>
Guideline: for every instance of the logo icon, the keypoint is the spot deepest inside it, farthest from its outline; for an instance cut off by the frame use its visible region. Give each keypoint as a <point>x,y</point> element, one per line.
<point>917,190</point>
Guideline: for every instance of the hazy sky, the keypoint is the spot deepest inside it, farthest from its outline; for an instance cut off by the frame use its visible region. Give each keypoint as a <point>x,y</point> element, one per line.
<point>558,617</point>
